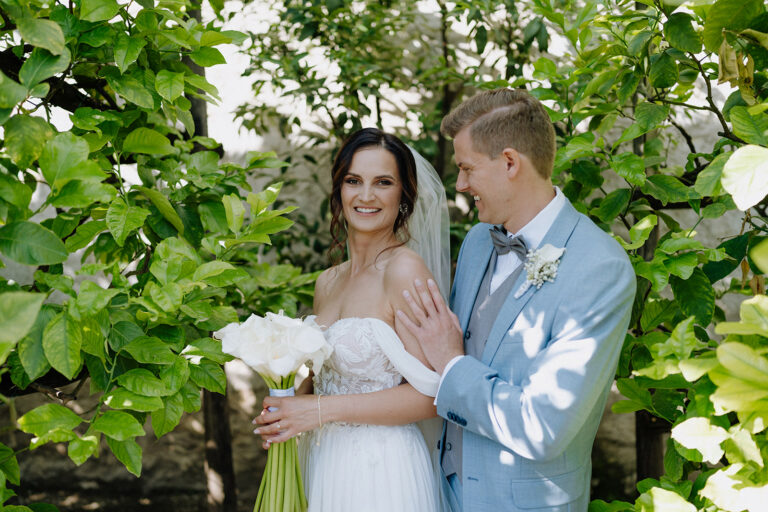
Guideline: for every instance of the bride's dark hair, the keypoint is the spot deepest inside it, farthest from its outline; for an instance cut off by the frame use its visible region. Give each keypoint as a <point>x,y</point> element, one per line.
<point>406,166</point>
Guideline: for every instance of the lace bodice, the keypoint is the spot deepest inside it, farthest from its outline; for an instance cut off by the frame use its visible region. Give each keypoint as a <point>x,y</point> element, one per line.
<point>358,364</point>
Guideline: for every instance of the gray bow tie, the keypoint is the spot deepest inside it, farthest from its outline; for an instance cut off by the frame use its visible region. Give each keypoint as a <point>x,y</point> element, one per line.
<point>504,244</point>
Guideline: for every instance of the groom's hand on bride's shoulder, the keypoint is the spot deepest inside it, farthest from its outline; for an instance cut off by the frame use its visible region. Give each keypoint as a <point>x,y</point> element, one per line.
<point>433,324</point>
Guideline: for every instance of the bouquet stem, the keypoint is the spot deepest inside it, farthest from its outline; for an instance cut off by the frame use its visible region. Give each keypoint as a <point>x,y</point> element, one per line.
<point>281,488</point>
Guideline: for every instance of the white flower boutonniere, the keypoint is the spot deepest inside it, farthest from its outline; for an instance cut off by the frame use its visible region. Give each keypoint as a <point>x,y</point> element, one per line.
<point>540,267</point>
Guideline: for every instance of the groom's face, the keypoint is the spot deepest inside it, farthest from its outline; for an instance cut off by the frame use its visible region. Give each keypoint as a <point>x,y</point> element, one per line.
<point>483,178</point>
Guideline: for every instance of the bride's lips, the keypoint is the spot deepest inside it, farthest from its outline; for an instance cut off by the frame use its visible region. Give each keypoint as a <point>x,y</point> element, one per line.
<point>362,210</point>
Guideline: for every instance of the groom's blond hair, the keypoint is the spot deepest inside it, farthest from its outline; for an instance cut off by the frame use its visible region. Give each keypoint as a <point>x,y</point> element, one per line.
<point>506,118</point>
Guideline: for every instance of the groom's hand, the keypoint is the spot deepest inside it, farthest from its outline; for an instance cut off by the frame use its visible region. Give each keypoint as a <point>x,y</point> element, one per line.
<point>436,328</point>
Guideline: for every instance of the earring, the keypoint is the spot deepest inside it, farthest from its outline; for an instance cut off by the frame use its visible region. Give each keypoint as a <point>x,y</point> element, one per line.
<point>403,208</point>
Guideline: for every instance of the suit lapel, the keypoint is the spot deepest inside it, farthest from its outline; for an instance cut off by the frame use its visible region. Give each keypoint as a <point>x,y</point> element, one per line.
<point>557,236</point>
<point>475,278</point>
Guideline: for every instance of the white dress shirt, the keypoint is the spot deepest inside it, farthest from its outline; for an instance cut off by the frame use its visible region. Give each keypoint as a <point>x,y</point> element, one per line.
<point>533,233</point>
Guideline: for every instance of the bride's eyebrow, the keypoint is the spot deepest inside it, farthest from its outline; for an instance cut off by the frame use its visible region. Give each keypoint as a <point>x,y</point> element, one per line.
<point>379,177</point>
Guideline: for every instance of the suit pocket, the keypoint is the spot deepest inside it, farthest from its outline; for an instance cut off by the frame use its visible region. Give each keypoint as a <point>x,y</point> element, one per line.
<point>550,492</point>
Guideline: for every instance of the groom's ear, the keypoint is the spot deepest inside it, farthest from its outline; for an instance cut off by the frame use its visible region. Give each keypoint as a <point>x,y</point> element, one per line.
<point>512,162</point>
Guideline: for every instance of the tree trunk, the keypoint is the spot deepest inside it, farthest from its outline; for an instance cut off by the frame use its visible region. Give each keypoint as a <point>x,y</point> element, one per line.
<point>219,470</point>
<point>650,440</point>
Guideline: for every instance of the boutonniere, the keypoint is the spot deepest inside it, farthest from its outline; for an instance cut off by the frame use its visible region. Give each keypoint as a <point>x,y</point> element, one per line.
<point>540,267</point>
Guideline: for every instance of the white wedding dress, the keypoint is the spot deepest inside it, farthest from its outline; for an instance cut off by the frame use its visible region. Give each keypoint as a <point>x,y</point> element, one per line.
<point>368,468</point>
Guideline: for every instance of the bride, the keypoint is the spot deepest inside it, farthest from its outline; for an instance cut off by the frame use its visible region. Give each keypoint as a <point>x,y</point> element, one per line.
<point>361,447</point>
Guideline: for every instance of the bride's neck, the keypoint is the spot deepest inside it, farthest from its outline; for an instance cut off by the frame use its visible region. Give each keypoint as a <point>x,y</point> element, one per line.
<point>364,248</point>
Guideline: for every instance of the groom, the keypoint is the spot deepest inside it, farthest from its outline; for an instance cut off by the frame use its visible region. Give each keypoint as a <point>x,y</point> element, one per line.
<point>542,299</point>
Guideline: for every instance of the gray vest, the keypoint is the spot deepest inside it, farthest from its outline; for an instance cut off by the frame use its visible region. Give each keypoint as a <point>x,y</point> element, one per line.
<point>484,313</point>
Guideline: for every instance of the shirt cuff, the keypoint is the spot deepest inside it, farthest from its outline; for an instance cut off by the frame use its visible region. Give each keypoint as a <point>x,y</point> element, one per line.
<point>445,372</point>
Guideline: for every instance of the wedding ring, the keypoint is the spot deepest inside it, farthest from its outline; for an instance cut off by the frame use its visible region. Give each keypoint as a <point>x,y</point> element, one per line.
<point>278,425</point>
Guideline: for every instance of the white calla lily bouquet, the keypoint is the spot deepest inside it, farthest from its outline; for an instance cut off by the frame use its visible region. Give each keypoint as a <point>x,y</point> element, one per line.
<point>276,346</point>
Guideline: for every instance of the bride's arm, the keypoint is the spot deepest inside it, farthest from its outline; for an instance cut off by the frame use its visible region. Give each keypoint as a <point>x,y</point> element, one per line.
<point>395,406</point>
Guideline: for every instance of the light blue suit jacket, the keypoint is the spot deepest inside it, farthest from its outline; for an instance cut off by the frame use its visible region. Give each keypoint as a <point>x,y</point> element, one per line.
<point>531,407</point>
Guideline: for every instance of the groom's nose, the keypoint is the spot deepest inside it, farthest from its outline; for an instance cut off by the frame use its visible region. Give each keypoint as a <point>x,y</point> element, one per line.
<point>461,182</point>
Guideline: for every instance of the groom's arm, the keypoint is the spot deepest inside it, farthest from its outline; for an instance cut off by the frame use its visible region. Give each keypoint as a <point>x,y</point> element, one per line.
<point>540,417</point>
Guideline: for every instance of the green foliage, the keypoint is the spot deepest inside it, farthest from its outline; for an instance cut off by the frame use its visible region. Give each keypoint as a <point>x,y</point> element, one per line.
<point>160,262</point>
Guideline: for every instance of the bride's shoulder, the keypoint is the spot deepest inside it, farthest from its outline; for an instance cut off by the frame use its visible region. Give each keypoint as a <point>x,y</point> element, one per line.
<point>404,266</point>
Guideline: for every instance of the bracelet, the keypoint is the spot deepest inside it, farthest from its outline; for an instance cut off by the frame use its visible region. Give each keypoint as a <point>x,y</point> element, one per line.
<point>319,416</point>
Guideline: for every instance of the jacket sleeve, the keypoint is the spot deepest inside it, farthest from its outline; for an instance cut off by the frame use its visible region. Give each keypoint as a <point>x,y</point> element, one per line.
<point>564,381</point>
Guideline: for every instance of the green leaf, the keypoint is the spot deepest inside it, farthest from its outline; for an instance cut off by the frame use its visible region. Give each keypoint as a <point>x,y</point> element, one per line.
<point>93,338</point>
<point>18,311</point>
<point>207,56</point>
<point>191,395</point>
<point>744,176</point>
<point>208,348</point>
<point>62,339</point>
<point>209,375</point>
<point>42,64</point>
<point>682,265</point>
<point>175,375</point>
<point>121,398</point>
<point>25,137</point>
<point>123,333</point>
<point>11,93</point>
<point>9,465</point>
<point>83,448</point>
<point>680,343</point>
<point>733,15</point>
<point>31,244</point>
<point>630,167</point>
<point>481,38</point>
<point>650,115</point>
<point>81,194</point>
<point>129,88</point>
<point>679,32</point>
<point>639,42</point>
<point>13,191</point>
<point>640,232</point>
<point>93,298</point>
<point>84,234</point>
<point>169,85</point>
<point>142,382</point>
<point>699,434</point>
<point>613,204</point>
<point>164,206</point>
<point>127,50</point>
<point>668,189</point>
<point>744,363</point>
<point>235,211</point>
<point>98,10</point>
<point>695,296</point>
<point>759,255</point>
<point>708,180</point>
<point>148,141</point>
<point>753,129</point>
<point>42,33</point>
<point>128,452</point>
<point>118,425</point>
<point>146,349</point>
<point>65,157</point>
<point>663,73</point>
<point>30,348</point>
<point>164,420</point>
<point>122,219</point>
<point>741,447</point>
<point>48,417</point>
<point>662,500</point>
<point>655,313</point>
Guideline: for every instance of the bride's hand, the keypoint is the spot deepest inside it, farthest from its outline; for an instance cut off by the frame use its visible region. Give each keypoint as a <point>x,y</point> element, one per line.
<point>291,417</point>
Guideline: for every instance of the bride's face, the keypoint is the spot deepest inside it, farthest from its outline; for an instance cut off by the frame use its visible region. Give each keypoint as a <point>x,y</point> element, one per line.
<point>371,191</point>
